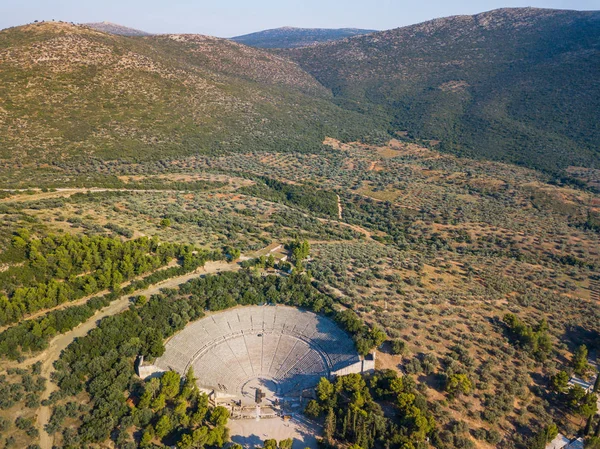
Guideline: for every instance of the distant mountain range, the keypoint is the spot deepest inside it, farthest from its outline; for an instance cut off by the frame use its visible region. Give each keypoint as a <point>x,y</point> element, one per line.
<point>289,37</point>
<point>518,85</point>
<point>113,28</point>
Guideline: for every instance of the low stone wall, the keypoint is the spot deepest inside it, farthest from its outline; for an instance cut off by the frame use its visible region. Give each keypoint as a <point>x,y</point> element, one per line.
<point>149,371</point>
<point>364,365</point>
<point>355,368</point>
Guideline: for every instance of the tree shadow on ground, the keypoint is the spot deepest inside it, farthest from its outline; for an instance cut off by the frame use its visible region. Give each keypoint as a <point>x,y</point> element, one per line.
<point>249,442</point>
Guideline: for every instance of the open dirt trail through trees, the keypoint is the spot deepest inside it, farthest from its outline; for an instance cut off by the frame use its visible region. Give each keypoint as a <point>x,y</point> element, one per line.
<point>60,342</point>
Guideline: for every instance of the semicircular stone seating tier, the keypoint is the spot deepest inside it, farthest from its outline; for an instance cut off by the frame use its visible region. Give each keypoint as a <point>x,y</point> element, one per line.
<point>284,346</point>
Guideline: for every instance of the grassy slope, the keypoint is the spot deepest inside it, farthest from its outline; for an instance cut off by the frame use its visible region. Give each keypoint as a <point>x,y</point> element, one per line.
<point>518,85</point>
<point>69,91</point>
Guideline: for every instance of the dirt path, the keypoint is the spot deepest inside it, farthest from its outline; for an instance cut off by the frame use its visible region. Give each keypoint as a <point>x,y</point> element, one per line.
<point>60,342</point>
<point>7,266</point>
<point>83,300</point>
<point>356,228</point>
<point>68,191</point>
<point>340,210</point>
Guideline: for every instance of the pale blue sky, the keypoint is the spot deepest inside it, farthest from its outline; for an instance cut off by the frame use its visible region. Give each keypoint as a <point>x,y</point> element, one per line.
<point>226,18</point>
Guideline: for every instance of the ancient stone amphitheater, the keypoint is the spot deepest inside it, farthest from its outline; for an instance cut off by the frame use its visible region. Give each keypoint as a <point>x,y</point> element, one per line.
<point>282,350</point>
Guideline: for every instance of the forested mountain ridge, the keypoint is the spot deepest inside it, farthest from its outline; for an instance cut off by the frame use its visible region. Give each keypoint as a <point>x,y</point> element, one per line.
<point>290,37</point>
<point>518,85</point>
<point>69,91</point>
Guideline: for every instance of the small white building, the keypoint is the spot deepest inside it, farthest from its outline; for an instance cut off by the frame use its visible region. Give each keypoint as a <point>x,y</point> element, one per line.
<point>562,442</point>
<point>576,444</point>
<point>588,386</point>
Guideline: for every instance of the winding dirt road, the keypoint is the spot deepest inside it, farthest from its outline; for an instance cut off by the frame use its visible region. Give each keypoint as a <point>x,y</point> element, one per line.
<point>60,342</point>
<point>85,299</point>
<point>68,191</point>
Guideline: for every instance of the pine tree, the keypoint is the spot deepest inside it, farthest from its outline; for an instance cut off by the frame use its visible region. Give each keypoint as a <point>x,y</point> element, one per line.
<point>190,383</point>
<point>588,425</point>
<point>163,426</point>
<point>159,403</point>
<point>345,424</point>
<point>169,384</point>
<point>329,428</point>
<point>580,363</point>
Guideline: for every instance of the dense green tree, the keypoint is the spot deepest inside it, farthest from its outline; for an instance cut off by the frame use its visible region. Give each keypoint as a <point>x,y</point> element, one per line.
<point>300,250</point>
<point>551,431</point>
<point>286,444</point>
<point>398,347</point>
<point>169,384</point>
<point>325,390</point>
<point>147,437</point>
<point>270,444</point>
<point>536,341</point>
<point>189,384</point>
<point>457,384</point>
<point>163,426</point>
<point>353,417</point>
<point>219,416</point>
<point>159,402</point>
<point>581,402</point>
<point>580,360</point>
<point>306,197</point>
<point>559,381</point>
<point>329,427</point>
<point>592,443</point>
<point>312,409</point>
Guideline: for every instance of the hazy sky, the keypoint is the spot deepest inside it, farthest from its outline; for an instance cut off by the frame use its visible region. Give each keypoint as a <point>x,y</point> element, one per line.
<point>226,18</point>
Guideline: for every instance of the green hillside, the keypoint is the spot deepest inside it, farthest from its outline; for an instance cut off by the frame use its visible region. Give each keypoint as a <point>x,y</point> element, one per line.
<point>518,85</point>
<point>69,91</point>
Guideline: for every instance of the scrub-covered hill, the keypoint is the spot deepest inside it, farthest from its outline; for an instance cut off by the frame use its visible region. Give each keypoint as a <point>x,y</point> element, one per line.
<point>69,91</point>
<point>519,85</point>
